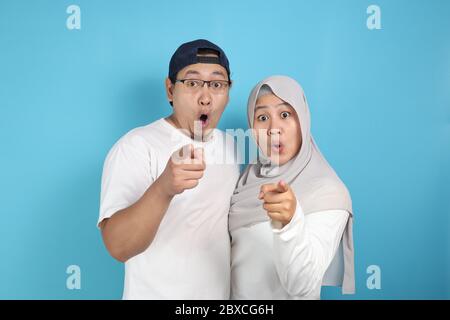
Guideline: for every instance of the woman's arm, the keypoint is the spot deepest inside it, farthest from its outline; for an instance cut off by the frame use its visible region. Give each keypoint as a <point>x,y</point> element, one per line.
<point>305,247</point>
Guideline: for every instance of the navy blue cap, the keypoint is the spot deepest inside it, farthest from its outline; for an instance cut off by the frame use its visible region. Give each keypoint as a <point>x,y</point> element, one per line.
<point>186,54</point>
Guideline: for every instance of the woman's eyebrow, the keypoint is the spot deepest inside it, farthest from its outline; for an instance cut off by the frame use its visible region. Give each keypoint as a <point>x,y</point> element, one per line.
<point>276,106</point>
<point>260,107</point>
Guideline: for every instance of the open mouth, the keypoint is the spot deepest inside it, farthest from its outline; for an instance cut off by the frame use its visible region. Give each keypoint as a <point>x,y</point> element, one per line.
<point>277,147</point>
<point>204,120</point>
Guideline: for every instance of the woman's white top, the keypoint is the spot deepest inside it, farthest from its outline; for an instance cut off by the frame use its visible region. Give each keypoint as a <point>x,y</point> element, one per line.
<point>288,263</point>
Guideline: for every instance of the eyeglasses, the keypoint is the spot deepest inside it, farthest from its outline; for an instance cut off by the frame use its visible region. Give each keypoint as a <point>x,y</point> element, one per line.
<point>216,86</point>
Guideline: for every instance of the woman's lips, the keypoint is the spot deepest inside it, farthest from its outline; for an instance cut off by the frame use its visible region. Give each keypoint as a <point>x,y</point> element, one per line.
<point>277,148</point>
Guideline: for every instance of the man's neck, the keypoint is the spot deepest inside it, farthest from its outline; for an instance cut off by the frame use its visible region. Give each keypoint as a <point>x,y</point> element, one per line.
<point>175,123</point>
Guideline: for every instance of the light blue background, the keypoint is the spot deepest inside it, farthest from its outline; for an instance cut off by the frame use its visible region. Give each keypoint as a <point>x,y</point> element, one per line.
<point>380,104</point>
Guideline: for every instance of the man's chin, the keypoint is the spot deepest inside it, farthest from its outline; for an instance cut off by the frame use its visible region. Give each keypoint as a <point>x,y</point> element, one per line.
<point>203,131</point>
<point>205,134</point>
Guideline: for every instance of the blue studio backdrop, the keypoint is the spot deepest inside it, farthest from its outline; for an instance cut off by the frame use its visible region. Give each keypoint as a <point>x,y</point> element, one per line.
<point>77,75</point>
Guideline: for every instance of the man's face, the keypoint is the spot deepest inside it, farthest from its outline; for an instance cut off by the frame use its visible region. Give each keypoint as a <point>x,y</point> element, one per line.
<point>202,104</point>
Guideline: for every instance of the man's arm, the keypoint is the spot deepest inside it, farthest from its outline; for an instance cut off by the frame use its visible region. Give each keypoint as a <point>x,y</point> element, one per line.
<point>130,231</point>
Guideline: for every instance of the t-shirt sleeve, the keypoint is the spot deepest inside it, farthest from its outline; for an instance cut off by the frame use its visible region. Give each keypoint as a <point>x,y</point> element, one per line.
<point>126,175</point>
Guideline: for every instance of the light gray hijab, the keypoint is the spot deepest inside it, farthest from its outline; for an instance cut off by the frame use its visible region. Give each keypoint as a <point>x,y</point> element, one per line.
<point>316,185</point>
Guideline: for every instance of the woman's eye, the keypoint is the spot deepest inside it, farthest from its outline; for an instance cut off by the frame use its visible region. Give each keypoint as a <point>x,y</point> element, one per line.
<point>262,117</point>
<point>285,114</point>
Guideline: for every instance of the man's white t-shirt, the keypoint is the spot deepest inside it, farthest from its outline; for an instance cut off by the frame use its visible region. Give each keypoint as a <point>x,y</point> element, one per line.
<point>189,257</point>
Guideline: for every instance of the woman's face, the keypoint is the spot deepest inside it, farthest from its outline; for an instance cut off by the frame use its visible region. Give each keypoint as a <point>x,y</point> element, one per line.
<point>277,127</point>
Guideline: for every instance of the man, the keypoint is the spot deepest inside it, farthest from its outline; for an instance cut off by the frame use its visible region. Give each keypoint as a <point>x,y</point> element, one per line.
<point>165,191</point>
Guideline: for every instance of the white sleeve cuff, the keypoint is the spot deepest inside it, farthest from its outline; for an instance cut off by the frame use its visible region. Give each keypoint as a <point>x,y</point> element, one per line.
<point>293,228</point>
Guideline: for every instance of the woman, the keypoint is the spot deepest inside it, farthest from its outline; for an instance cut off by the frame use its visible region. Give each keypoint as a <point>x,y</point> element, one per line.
<point>290,211</point>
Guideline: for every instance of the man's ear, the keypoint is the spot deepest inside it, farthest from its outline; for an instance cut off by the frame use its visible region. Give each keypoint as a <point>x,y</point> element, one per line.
<point>169,89</point>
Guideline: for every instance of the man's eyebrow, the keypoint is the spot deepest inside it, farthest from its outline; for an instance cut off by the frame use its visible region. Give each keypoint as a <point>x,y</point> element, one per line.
<point>196,73</point>
<point>276,106</point>
<point>189,72</point>
<point>219,73</point>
